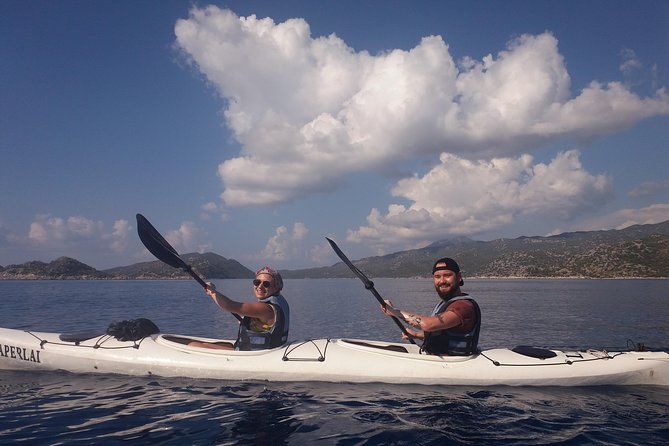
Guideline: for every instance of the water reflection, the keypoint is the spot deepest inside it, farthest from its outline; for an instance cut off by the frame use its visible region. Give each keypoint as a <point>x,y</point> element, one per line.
<point>267,418</point>
<point>556,313</point>
<point>52,409</point>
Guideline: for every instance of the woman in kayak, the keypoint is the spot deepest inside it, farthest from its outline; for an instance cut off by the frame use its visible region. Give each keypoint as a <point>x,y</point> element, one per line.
<point>454,325</point>
<point>265,323</point>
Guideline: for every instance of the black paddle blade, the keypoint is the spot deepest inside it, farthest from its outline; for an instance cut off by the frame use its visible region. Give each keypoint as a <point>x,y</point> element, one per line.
<point>365,280</point>
<point>368,283</point>
<point>157,245</point>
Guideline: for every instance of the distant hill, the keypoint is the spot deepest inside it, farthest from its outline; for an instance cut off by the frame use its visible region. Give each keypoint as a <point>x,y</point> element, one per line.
<point>61,268</point>
<point>636,251</point>
<point>208,265</point>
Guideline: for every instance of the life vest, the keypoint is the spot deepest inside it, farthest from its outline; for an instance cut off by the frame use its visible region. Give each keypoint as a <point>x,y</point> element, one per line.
<point>451,342</point>
<point>253,335</point>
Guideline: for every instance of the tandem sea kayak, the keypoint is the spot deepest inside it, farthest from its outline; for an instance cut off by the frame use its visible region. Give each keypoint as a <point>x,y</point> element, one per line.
<point>331,360</point>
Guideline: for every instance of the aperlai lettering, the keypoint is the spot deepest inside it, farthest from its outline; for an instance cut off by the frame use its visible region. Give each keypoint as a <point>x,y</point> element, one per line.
<point>19,353</point>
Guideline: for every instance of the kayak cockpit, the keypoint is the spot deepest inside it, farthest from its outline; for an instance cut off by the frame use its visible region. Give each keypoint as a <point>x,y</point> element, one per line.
<point>398,350</point>
<point>310,350</point>
<point>305,350</point>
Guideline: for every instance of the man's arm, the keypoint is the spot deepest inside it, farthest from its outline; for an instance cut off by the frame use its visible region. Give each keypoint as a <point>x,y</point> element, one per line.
<point>442,321</point>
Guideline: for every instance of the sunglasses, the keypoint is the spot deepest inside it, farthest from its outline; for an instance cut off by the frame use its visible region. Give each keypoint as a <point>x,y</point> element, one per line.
<point>264,283</point>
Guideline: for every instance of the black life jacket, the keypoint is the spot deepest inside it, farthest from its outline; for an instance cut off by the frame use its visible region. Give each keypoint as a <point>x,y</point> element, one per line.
<point>252,337</point>
<point>451,342</point>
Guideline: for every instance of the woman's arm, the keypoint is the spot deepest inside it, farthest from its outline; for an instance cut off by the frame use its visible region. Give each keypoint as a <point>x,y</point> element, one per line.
<point>260,310</point>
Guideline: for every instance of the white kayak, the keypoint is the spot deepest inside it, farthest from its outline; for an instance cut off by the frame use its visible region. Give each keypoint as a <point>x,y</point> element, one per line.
<point>333,360</point>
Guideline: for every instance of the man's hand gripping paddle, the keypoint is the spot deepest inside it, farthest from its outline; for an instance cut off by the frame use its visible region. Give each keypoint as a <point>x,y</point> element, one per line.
<point>368,283</point>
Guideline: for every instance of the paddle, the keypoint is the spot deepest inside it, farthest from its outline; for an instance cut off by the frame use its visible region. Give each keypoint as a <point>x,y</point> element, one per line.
<point>163,251</point>
<point>368,283</point>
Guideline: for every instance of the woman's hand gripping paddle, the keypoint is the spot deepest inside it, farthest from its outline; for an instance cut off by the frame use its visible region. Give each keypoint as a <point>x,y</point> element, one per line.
<point>163,251</point>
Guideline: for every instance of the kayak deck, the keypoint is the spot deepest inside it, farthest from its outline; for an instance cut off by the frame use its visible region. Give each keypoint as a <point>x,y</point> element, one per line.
<point>333,360</point>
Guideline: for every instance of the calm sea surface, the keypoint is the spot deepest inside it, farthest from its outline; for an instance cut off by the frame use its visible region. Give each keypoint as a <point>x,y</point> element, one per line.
<point>60,408</point>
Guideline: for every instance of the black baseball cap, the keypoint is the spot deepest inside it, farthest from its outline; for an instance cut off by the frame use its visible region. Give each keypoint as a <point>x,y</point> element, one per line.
<point>451,265</point>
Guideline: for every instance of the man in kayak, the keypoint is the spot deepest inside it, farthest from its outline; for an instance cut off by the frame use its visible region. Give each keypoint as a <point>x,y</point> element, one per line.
<point>265,323</point>
<point>454,325</point>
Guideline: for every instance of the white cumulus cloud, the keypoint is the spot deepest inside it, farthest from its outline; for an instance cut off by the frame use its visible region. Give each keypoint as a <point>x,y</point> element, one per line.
<point>120,236</point>
<point>74,236</point>
<point>463,197</point>
<point>187,238</point>
<point>51,230</point>
<point>622,218</point>
<point>649,188</point>
<point>310,110</point>
<point>285,244</point>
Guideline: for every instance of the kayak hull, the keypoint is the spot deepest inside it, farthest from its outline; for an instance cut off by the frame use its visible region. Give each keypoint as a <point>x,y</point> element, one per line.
<point>331,360</point>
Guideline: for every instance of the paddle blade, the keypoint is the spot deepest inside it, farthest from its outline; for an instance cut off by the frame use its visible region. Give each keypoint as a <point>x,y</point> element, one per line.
<point>157,245</point>
<point>164,252</point>
<point>368,283</point>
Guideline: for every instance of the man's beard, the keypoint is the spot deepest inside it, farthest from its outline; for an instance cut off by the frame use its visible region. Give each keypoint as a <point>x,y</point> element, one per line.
<point>446,294</point>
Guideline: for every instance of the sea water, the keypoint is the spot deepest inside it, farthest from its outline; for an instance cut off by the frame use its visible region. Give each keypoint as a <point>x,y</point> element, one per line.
<point>61,408</point>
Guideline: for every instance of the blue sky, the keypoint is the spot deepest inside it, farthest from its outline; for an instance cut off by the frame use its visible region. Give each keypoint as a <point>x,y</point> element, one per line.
<point>254,129</point>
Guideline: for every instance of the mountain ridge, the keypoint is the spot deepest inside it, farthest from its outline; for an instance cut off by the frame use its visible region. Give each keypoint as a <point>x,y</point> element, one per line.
<point>636,251</point>
<point>207,264</point>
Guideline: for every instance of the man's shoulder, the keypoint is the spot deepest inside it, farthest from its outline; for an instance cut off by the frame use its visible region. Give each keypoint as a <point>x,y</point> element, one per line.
<point>464,297</point>
<point>465,303</point>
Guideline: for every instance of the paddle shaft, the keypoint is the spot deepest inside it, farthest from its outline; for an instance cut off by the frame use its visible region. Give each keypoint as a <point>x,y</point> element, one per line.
<point>368,284</point>
<point>163,251</point>
<point>197,278</point>
<point>201,281</point>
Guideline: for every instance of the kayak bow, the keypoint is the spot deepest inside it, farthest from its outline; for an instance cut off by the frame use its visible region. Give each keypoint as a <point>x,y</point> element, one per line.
<point>332,360</point>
